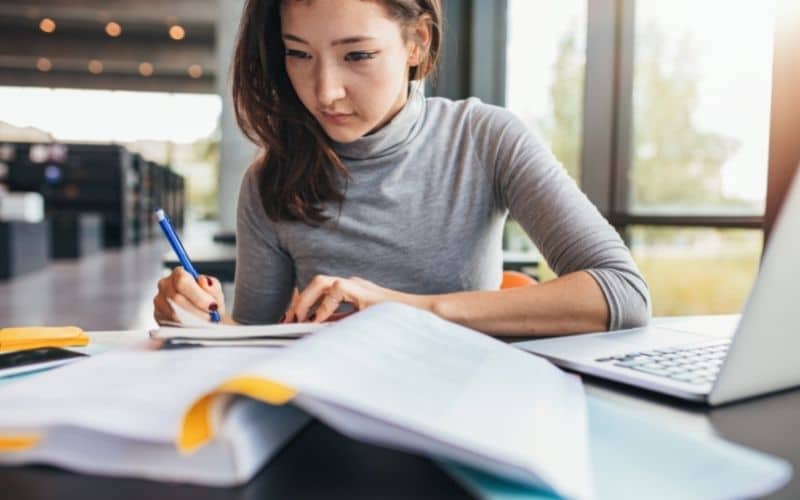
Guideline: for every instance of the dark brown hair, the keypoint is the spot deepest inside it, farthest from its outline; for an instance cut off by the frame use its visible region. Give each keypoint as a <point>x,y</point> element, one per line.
<point>299,170</point>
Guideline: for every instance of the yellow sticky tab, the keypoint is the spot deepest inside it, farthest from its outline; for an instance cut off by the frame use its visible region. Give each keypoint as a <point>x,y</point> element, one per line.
<point>16,338</point>
<point>197,429</point>
<point>18,443</point>
<point>259,388</point>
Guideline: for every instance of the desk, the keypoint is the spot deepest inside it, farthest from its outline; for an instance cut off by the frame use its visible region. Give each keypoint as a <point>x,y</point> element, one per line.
<point>321,463</point>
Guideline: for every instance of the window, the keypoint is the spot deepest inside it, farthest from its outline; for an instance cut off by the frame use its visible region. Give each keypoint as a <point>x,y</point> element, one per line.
<point>545,61</point>
<point>170,128</point>
<point>677,144</point>
<point>699,148</point>
<point>701,102</point>
<point>696,270</point>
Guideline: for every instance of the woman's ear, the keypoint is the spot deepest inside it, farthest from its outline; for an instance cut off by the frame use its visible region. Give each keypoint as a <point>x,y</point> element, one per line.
<point>420,39</point>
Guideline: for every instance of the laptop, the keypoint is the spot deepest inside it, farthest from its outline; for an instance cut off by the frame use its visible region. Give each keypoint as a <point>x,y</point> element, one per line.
<point>714,360</point>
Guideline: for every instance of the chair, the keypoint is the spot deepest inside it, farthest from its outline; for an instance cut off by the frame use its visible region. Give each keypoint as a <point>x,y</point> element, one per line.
<point>514,279</point>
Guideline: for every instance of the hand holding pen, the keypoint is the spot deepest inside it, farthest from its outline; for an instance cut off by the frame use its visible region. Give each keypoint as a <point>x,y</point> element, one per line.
<point>201,295</point>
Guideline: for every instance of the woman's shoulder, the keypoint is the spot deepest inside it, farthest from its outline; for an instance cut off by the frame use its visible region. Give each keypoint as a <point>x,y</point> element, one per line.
<point>249,206</point>
<point>249,183</point>
<point>249,195</point>
<point>479,116</point>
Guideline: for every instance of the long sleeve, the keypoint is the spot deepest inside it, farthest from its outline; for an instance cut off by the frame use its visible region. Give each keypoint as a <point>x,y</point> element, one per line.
<point>264,271</point>
<point>564,225</point>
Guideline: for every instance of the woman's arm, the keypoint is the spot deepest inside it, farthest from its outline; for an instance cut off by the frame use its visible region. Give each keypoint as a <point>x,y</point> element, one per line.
<point>573,303</point>
<point>264,279</point>
<point>568,230</point>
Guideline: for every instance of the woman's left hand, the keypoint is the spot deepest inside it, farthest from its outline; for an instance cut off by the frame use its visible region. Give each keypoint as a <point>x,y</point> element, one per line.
<point>327,293</point>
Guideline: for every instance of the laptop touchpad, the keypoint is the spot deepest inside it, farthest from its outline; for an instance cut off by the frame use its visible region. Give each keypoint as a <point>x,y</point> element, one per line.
<point>652,337</point>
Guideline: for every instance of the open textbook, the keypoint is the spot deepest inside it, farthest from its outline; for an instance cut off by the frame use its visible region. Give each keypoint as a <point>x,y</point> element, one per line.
<point>390,375</point>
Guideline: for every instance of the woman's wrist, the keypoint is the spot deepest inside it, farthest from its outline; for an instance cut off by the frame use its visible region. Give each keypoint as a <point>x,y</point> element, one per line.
<point>424,302</point>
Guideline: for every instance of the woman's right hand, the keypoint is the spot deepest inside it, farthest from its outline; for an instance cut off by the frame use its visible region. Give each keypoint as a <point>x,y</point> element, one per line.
<point>196,297</point>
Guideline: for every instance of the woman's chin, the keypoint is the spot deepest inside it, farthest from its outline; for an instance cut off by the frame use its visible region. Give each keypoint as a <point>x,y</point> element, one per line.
<point>344,135</point>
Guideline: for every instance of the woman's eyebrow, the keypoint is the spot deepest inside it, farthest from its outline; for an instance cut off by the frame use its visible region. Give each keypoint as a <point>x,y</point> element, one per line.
<point>340,41</point>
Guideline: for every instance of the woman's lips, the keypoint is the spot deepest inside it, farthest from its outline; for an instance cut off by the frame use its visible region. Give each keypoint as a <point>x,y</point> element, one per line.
<point>337,118</point>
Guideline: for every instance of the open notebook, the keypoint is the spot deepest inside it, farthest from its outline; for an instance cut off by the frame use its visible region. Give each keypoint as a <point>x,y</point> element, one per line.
<point>390,375</point>
<point>191,330</point>
<point>232,336</point>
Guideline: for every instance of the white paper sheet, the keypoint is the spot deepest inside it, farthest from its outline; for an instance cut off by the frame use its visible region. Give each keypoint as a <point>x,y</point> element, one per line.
<point>634,458</point>
<point>392,374</point>
<point>471,396</point>
<point>280,331</point>
<point>134,394</point>
<point>190,329</point>
<point>250,434</point>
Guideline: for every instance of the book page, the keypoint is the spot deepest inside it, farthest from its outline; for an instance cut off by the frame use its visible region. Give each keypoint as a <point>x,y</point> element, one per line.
<point>456,387</point>
<point>250,433</point>
<point>401,376</point>
<point>135,394</point>
<point>635,456</point>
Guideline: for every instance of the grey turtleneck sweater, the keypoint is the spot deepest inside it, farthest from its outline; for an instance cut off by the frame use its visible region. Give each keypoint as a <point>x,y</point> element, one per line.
<point>424,213</point>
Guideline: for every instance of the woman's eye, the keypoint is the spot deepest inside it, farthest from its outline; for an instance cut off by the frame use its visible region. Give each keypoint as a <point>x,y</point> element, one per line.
<point>359,56</point>
<point>297,53</point>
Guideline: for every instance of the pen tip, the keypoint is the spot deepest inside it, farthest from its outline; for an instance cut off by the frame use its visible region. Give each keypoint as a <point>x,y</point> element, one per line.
<point>160,214</point>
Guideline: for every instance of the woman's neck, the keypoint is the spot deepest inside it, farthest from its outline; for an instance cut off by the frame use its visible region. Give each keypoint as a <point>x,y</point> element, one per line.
<point>398,106</point>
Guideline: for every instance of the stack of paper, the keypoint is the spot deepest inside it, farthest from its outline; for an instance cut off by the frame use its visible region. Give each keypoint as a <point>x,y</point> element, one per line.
<point>390,375</point>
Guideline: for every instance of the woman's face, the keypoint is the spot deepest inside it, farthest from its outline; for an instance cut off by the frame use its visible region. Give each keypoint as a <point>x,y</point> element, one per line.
<point>347,62</point>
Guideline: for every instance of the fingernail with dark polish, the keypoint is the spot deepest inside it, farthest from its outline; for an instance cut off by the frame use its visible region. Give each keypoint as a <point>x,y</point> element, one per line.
<point>312,317</point>
<point>283,318</point>
<point>213,306</point>
<point>210,283</point>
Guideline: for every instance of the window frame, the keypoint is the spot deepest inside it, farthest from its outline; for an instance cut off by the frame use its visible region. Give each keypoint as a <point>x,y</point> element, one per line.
<point>476,32</point>
<point>606,151</point>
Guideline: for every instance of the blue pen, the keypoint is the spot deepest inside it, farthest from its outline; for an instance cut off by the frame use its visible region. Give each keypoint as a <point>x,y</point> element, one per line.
<point>180,252</point>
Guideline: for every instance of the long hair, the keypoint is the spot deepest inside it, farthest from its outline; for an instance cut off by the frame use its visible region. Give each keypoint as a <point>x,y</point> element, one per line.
<point>299,170</point>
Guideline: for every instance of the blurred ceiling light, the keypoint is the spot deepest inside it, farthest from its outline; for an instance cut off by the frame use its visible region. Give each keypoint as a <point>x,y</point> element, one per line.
<point>145,69</point>
<point>113,29</point>
<point>195,71</point>
<point>43,64</point>
<point>95,67</point>
<point>47,25</point>
<point>176,32</point>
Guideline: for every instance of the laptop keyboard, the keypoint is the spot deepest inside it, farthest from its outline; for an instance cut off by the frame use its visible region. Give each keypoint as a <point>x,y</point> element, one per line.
<point>695,364</point>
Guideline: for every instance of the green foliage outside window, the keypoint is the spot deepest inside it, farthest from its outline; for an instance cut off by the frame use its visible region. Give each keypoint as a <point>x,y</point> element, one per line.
<point>676,169</point>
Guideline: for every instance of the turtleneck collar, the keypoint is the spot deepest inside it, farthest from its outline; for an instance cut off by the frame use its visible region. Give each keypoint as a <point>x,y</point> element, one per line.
<point>391,137</point>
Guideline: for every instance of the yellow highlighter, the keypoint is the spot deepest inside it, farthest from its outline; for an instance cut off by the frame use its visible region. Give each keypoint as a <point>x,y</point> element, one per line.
<point>32,337</point>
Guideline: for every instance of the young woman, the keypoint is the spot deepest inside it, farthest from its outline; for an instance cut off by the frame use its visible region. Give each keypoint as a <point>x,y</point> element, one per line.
<point>367,191</point>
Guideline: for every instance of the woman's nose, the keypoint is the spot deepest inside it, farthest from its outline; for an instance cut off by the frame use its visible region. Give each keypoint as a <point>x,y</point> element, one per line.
<point>329,85</point>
